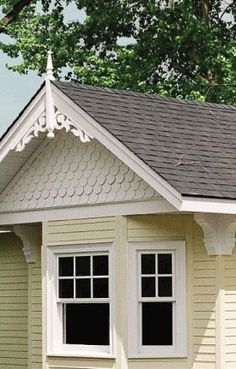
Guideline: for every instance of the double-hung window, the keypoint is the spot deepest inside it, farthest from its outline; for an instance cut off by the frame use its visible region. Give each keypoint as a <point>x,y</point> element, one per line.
<point>157,311</point>
<point>81,300</point>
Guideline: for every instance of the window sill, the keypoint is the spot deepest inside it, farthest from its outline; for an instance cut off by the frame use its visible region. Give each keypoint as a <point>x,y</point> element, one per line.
<point>157,356</point>
<point>92,355</point>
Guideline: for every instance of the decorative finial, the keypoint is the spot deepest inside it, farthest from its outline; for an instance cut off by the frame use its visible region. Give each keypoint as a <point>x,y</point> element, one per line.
<point>50,67</point>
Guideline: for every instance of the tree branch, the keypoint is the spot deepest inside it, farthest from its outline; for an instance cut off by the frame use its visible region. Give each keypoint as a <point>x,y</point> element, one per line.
<point>16,9</point>
<point>228,7</point>
<point>179,68</point>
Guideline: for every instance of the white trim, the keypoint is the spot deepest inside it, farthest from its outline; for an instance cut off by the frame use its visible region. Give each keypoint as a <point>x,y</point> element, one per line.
<point>55,345</point>
<point>90,211</point>
<point>21,126</point>
<point>208,205</point>
<point>179,347</point>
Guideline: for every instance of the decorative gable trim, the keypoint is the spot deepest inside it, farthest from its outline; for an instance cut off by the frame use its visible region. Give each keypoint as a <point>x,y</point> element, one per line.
<point>49,121</point>
<point>41,126</point>
<point>219,232</point>
<point>30,237</point>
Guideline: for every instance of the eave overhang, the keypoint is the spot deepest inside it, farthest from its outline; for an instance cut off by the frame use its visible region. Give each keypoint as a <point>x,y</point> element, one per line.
<point>83,122</point>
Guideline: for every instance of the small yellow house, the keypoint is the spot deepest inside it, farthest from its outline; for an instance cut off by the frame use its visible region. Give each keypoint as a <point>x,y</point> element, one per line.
<point>117,232</point>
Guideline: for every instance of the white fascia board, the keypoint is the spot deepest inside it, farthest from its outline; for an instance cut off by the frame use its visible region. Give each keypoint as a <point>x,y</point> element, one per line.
<point>208,205</point>
<point>22,125</point>
<point>90,211</point>
<point>94,129</point>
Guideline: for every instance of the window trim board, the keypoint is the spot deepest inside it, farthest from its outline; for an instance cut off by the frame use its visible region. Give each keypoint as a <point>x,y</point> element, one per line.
<point>54,314</point>
<point>179,347</point>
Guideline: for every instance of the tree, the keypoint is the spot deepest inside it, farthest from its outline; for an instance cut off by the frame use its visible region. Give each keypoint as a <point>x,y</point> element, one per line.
<point>184,48</point>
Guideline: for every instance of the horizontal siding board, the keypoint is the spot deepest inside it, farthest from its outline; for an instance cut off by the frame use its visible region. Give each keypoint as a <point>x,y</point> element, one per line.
<point>36,313</point>
<point>204,293</point>
<point>13,304</point>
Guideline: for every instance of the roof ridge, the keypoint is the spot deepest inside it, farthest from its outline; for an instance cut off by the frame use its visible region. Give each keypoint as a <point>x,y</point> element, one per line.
<point>146,95</point>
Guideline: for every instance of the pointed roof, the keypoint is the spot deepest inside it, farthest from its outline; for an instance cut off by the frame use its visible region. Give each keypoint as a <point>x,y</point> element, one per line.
<point>190,145</point>
<point>184,150</point>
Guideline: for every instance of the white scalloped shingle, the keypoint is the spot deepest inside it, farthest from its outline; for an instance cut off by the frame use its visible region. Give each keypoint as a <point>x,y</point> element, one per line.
<point>65,172</point>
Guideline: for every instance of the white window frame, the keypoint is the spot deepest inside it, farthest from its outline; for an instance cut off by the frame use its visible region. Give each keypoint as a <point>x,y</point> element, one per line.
<point>54,310</point>
<point>179,347</point>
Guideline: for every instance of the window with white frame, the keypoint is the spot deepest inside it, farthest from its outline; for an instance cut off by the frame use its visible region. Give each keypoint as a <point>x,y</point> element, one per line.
<point>157,313</point>
<point>79,294</point>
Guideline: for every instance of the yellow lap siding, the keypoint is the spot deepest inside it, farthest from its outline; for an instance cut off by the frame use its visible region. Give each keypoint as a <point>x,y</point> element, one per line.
<point>204,294</point>
<point>35,313</point>
<point>77,231</point>
<point>230,309</point>
<point>13,304</point>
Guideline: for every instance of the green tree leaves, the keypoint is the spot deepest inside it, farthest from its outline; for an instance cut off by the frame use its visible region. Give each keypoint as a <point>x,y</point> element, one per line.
<point>182,48</point>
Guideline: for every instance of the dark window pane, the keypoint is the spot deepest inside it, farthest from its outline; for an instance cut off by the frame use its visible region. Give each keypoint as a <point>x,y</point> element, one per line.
<point>87,324</point>
<point>148,263</point>
<point>100,265</point>
<point>148,287</point>
<point>83,265</point>
<point>66,288</point>
<point>100,287</point>
<point>165,286</point>
<point>66,267</point>
<point>164,263</point>
<point>157,324</point>
<point>83,288</point>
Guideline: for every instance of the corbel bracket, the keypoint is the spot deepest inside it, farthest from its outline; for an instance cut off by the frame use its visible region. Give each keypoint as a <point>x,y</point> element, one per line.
<point>219,232</point>
<point>30,237</point>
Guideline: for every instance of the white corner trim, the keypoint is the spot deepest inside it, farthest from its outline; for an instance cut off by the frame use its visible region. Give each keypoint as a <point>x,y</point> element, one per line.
<point>219,232</point>
<point>30,237</point>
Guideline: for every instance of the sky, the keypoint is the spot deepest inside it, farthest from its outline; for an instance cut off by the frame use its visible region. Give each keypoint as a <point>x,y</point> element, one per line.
<point>15,91</point>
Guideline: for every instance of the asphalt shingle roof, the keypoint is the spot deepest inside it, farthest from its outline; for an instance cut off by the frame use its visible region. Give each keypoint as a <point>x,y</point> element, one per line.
<point>191,145</point>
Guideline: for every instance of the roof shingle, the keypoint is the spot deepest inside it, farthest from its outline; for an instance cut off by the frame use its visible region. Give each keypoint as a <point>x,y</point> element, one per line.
<point>191,145</point>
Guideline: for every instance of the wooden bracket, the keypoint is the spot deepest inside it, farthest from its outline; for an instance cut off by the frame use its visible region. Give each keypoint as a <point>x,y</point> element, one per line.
<point>30,237</point>
<point>219,232</point>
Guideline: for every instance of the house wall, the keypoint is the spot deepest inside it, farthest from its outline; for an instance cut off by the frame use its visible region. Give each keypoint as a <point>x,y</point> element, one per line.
<point>229,310</point>
<point>204,286</point>
<point>35,312</point>
<point>13,304</point>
